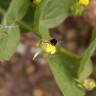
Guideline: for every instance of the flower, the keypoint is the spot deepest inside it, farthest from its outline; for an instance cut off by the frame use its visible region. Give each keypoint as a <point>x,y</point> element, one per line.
<point>88,84</point>
<point>46,46</point>
<point>84,2</point>
<point>49,48</point>
<point>36,2</point>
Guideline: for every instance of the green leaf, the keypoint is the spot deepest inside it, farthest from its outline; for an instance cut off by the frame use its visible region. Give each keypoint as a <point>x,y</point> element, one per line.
<point>10,32</point>
<point>94,93</point>
<point>94,71</point>
<point>4,4</point>
<point>93,34</point>
<point>64,68</point>
<point>86,66</point>
<point>27,23</point>
<point>29,17</point>
<point>8,43</point>
<point>16,11</point>
<point>50,14</point>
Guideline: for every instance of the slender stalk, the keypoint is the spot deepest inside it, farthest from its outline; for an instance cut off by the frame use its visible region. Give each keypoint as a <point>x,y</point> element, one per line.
<point>24,24</point>
<point>78,57</point>
<point>21,22</point>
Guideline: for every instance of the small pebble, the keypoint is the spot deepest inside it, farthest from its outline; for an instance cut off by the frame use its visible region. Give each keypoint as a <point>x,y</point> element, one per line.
<point>38,92</point>
<point>70,35</point>
<point>30,69</point>
<point>21,49</point>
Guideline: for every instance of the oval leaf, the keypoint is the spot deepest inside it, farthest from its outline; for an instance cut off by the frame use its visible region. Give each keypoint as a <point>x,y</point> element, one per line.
<point>86,66</point>
<point>63,66</point>
<point>10,33</point>
<point>8,43</point>
<point>47,17</point>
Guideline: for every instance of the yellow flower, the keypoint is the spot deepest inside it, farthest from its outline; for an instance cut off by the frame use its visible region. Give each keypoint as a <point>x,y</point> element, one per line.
<point>36,2</point>
<point>84,2</point>
<point>49,48</point>
<point>88,84</point>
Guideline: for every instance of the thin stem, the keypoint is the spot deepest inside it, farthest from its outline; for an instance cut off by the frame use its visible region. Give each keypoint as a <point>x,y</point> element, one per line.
<point>71,54</point>
<point>21,22</point>
<point>24,24</point>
